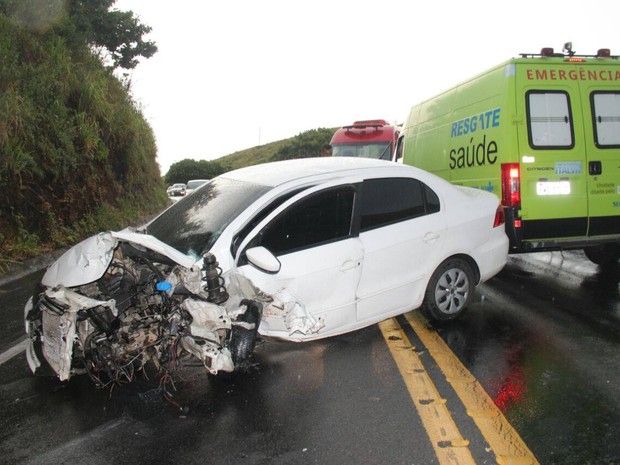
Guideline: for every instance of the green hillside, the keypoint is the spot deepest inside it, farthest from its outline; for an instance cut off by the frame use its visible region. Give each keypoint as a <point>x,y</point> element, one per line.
<point>76,154</point>
<point>306,144</point>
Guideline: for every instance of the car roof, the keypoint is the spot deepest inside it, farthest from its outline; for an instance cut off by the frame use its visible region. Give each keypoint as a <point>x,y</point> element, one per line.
<point>277,173</point>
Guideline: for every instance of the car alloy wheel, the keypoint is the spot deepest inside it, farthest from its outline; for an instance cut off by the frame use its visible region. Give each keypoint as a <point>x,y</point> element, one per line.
<point>450,289</point>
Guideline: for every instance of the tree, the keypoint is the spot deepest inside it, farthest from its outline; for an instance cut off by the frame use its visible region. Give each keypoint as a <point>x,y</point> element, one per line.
<point>184,170</point>
<point>118,33</point>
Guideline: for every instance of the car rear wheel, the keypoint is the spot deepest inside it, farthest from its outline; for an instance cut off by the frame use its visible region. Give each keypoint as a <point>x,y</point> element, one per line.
<point>449,290</point>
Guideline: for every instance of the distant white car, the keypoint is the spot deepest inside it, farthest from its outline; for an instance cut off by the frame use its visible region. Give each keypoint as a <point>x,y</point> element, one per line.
<point>194,184</point>
<point>305,248</point>
<point>176,190</point>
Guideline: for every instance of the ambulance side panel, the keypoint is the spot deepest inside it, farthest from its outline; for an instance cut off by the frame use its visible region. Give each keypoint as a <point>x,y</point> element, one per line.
<point>466,133</point>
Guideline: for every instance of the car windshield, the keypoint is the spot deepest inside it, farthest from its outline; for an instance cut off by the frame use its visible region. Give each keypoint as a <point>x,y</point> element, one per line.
<point>194,224</point>
<point>380,150</point>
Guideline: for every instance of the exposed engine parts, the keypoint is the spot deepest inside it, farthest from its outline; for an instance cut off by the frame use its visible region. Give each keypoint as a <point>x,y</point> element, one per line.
<point>144,309</point>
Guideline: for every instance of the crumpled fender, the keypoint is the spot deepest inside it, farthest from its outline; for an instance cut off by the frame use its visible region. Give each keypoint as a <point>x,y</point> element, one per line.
<point>283,316</point>
<point>87,261</point>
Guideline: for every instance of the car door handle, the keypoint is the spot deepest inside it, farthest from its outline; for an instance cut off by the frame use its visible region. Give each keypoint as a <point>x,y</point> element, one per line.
<point>349,265</point>
<point>431,237</point>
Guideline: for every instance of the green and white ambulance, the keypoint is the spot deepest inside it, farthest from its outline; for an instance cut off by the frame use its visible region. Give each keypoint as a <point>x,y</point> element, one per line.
<point>541,131</point>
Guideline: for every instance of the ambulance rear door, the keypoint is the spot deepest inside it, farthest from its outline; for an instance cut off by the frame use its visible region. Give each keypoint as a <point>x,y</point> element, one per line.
<point>601,108</point>
<point>553,159</point>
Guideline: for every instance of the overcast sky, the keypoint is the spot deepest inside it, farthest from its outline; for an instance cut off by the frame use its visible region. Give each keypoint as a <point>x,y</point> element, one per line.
<point>230,75</point>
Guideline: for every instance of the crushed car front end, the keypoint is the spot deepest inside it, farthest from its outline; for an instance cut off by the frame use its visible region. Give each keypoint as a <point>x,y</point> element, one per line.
<point>120,300</point>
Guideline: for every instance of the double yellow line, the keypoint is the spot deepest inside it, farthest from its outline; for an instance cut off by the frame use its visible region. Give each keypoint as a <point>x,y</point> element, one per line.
<point>450,447</point>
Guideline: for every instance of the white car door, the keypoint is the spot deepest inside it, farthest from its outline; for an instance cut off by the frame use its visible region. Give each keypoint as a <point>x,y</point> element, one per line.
<point>319,262</point>
<point>402,231</point>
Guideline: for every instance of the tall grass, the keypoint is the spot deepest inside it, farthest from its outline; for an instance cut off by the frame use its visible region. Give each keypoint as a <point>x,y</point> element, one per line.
<point>76,154</point>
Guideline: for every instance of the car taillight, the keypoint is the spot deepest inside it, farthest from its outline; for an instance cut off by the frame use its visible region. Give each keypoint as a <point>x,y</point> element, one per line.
<point>511,185</point>
<point>500,218</point>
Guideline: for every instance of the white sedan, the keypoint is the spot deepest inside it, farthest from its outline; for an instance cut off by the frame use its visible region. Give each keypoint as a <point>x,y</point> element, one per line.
<point>298,250</point>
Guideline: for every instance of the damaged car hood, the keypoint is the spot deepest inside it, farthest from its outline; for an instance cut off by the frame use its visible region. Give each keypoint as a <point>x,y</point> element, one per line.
<point>87,261</point>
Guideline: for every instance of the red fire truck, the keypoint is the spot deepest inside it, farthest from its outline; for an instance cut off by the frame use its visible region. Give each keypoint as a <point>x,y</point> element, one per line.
<point>366,139</point>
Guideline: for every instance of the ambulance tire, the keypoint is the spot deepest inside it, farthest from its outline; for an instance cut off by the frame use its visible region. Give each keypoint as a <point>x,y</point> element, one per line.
<point>603,254</point>
<point>450,290</point>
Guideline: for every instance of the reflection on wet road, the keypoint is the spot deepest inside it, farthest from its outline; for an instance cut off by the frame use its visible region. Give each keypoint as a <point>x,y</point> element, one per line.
<point>545,344</point>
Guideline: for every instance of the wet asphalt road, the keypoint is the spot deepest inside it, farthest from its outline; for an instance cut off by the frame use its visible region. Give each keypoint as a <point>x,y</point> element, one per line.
<point>543,339</point>
<point>546,347</point>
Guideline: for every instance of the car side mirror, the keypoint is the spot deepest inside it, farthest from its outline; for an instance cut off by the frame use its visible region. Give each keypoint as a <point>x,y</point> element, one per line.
<point>263,259</point>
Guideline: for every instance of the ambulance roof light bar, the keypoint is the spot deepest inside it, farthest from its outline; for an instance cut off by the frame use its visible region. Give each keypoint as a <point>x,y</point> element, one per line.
<point>547,52</point>
<point>603,53</point>
<point>569,53</point>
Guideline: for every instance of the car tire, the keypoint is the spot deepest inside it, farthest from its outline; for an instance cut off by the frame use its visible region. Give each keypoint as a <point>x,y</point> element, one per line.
<point>603,254</point>
<point>450,290</point>
<point>243,340</point>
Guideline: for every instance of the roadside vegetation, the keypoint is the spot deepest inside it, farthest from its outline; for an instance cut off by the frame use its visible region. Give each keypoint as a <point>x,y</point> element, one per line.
<point>76,154</point>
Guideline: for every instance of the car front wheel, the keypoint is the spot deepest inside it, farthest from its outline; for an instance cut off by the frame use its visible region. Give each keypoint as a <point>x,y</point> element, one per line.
<point>449,290</point>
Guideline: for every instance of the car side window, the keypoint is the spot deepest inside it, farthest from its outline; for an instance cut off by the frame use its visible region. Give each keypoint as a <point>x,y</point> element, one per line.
<point>390,200</point>
<point>431,200</point>
<point>320,218</point>
<point>247,229</point>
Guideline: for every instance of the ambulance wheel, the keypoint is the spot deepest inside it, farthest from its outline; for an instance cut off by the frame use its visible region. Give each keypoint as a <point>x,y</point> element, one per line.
<point>603,254</point>
<point>450,290</point>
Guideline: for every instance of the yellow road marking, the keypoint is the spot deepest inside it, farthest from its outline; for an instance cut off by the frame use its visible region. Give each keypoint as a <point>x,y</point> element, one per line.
<point>503,439</point>
<point>449,445</point>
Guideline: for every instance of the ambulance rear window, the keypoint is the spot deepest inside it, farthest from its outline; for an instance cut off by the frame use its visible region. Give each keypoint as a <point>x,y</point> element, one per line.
<point>606,115</point>
<point>549,120</point>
